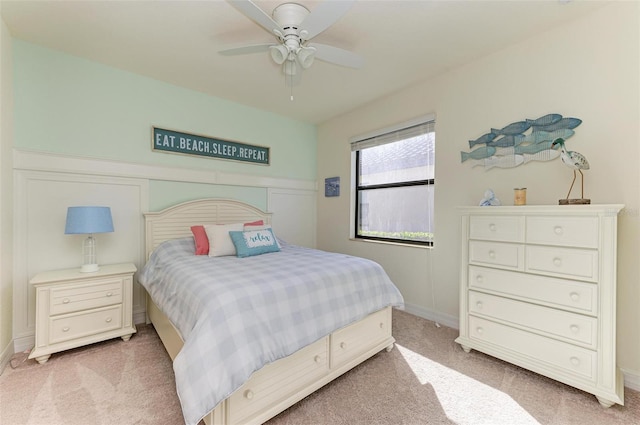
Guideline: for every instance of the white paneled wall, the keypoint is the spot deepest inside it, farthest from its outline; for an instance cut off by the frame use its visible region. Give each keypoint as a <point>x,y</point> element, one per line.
<point>45,185</point>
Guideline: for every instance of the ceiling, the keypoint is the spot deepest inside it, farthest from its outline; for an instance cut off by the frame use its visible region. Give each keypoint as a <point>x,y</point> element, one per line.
<point>402,43</point>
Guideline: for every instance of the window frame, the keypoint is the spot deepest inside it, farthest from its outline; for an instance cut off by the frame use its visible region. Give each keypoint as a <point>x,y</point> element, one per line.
<point>358,188</point>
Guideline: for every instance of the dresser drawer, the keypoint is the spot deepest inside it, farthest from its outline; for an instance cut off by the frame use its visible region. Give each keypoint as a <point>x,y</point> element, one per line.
<point>556,323</point>
<point>567,294</point>
<point>566,262</point>
<point>495,228</point>
<point>563,231</point>
<point>343,342</point>
<point>541,350</point>
<point>78,325</point>
<point>77,297</point>
<point>497,254</point>
<point>293,373</point>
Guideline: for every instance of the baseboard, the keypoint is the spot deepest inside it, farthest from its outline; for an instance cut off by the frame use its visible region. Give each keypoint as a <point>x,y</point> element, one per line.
<point>435,316</point>
<point>631,379</point>
<point>5,356</point>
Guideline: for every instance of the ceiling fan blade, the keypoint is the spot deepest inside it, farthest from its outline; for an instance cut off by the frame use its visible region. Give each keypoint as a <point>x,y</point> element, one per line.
<point>324,15</point>
<point>337,56</point>
<point>249,9</point>
<point>244,50</point>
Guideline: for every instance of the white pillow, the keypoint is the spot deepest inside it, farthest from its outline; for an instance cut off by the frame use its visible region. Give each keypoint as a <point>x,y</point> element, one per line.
<point>220,243</point>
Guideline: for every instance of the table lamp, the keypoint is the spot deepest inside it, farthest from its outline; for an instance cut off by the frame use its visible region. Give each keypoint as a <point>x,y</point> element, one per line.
<point>88,220</point>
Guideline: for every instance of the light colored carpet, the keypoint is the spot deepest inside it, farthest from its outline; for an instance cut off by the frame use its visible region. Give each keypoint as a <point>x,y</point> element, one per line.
<point>426,379</point>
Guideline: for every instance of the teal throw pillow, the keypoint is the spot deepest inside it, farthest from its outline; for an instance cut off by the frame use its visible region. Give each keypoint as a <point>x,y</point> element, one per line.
<point>254,242</point>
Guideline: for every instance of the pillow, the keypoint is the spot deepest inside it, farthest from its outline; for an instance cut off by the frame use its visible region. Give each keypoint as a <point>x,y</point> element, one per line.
<point>252,226</point>
<point>220,243</point>
<point>254,242</point>
<point>201,240</point>
<point>255,223</point>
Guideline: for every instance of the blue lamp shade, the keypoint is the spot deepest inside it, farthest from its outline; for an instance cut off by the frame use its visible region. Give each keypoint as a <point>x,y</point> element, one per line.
<point>88,220</point>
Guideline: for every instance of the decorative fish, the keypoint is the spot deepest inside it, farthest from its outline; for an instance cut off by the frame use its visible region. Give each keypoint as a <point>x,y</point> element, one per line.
<point>514,128</point>
<point>545,155</point>
<point>545,120</point>
<point>485,138</point>
<point>503,151</point>
<point>510,140</point>
<point>544,136</point>
<point>533,148</point>
<point>570,123</point>
<point>500,161</point>
<point>479,153</point>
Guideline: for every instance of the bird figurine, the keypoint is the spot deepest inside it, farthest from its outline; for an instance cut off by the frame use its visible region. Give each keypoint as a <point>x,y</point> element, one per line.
<point>573,160</point>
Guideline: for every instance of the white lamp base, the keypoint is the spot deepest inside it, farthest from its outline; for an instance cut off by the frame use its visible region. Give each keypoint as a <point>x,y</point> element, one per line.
<point>88,268</point>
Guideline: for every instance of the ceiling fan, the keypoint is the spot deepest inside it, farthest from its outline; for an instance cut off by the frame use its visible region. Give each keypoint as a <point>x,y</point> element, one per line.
<point>293,26</point>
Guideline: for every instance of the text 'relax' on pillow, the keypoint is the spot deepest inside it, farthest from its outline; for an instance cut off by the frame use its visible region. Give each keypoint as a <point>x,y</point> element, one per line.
<point>254,242</point>
<point>220,243</point>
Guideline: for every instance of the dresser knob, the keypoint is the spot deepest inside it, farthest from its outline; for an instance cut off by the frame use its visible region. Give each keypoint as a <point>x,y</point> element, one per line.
<point>248,394</point>
<point>109,294</point>
<point>479,330</point>
<point>574,328</point>
<point>343,345</point>
<point>479,278</point>
<point>479,305</point>
<point>317,359</point>
<point>557,262</point>
<point>65,301</point>
<point>65,329</point>
<point>574,296</point>
<point>492,254</point>
<point>108,320</point>
<point>574,361</point>
<point>492,227</point>
<point>557,230</point>
<point>381,325</point>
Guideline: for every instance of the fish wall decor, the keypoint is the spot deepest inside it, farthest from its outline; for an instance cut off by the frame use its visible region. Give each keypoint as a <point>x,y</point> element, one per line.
<point>520,142</point>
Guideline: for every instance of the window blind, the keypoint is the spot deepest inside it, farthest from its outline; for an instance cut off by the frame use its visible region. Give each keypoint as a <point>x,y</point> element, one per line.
<point>393,136</point>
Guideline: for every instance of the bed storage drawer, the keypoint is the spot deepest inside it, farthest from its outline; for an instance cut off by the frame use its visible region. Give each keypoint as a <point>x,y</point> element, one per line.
<point>293,373</point>
<point>345,342</point>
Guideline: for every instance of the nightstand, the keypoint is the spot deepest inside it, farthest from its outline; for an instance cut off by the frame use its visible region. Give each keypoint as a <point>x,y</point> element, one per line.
<point>75,309</point>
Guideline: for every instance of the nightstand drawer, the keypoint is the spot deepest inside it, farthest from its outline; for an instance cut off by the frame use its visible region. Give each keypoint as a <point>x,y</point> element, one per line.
<point>72,326</point>
<point>504,255</point>
<point>494,228</point>
<point>565,262</point>
<point>563,231</point>
<point>86,296</point>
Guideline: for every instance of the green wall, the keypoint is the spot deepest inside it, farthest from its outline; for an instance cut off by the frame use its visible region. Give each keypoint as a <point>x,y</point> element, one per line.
<point>68,105</point>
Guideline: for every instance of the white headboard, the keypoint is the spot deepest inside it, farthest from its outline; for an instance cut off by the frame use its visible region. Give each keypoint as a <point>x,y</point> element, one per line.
<point>176,221</point>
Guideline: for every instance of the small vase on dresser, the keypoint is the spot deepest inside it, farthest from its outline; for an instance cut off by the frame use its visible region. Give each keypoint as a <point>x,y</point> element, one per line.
<point>538,289</point>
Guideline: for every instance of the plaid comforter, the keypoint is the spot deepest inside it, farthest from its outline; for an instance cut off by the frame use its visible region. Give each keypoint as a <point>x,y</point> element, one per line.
<point>236,315</point>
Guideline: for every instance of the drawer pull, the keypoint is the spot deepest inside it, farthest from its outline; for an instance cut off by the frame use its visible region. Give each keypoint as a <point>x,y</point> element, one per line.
<point>108,320</point>
<point>248,394</point>
<point>557,262</point>
<point>558,230</point>
<point>574,328</point>
<point>479,305</point>
<point>109,294</point>
<point>574,296</point>
<point>343,345</point>
<point>479,330</point>
<point>479,278</point>
<point>381,325</point>
<point>65,329</point>
<point>492,227</point>
<point>317,359</point>
<point>65,301</point>
<point>492,254</point>
<point>574,361</point>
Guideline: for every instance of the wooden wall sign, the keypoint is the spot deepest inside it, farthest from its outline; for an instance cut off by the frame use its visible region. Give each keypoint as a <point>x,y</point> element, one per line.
<point>192,144</point>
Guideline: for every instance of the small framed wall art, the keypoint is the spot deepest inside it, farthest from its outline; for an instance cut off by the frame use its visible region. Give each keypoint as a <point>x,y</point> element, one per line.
<point>332,186</point>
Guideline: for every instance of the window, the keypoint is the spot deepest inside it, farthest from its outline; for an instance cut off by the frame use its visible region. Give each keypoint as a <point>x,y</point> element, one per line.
<point>394,185</point>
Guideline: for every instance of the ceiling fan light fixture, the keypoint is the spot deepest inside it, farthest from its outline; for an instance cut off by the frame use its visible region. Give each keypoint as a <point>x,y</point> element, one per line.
<point>290,68</point>
<point>279,53</point>
<point>305,56</point>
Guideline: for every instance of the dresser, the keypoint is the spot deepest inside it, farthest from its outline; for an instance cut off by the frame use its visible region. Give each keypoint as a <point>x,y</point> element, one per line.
<point>75,309</point>
<point>538,289</point>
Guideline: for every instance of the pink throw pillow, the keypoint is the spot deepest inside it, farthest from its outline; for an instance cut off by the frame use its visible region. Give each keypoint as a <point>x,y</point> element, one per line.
<point>255,223</point>
<point>201,239</point>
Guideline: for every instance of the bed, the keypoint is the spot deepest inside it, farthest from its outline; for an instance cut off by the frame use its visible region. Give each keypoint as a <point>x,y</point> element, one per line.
<point>287,369</point>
